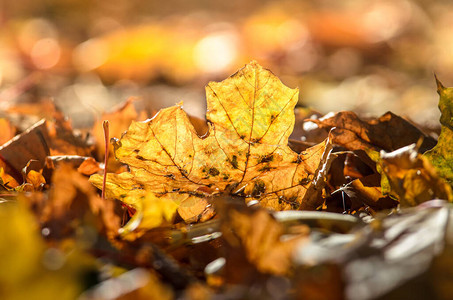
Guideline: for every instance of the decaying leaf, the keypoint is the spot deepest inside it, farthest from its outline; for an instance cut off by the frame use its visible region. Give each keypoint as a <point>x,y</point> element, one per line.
<point>89,166</point>
<point>441,156</point>
<point>411,177</point>
<point>244,152</point>
<point>260,237</point>
<point>388,132</point>
<point>368,191</point>
<point>71,201</point>
<point>44,138</point>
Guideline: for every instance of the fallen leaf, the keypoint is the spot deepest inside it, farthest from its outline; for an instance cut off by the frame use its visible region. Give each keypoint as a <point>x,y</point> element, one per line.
<point>388,132</point>
<point>43,139</point>
<point>36,179</point>
<point>367,190</point>
<point>411,177</point>
<point>30,144</point>
<point>119,119</point>
<point>260,237</point>
<point>71,200</point>
<point>84,164</point>
<point>441,156</point>
<point>6,179</point>
<point>89,166</point>
<point>245,151</point>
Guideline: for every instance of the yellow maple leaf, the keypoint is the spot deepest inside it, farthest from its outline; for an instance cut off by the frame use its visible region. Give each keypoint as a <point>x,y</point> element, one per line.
<point>245,152</point>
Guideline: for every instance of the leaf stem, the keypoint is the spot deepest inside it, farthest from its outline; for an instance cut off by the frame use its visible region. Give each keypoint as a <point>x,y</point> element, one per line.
<point>105,125</point>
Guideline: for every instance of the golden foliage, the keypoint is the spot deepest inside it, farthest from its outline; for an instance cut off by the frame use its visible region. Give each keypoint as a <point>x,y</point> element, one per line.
<point>245,152</point>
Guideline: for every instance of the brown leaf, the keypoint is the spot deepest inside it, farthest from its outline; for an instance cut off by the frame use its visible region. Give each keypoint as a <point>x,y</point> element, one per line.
<point>388,132</point>
<point>73,199</point>
<point>39,141</point>
<point>7,180</point>
<point>367,190</point>
<point>259,235</point>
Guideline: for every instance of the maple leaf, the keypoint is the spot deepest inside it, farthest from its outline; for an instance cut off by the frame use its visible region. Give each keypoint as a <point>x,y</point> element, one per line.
<point>245,152</point>
<point>441,156</point>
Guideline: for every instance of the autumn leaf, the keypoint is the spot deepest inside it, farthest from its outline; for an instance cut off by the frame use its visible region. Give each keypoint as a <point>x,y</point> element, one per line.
<point>42,139</point>
<point>71,202</point>
<point>258,235</point>
<point>441,156</point>
<point>388,132</point>
<point>411,178</point>
<point>368,190</point>
<point>119,120</point>
<point>245,151</point>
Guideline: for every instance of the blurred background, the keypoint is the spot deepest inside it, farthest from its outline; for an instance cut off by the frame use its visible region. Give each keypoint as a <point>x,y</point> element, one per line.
<point>89,55</point>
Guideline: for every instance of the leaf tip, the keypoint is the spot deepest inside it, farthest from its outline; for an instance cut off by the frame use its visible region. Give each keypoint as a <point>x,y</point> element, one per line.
<point>440,86</point>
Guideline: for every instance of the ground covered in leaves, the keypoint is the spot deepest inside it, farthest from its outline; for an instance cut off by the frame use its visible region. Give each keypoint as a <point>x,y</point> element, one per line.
<point>261,200</point>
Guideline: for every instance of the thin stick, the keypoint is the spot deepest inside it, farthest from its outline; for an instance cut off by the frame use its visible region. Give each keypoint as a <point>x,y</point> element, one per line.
<point>105,124</point>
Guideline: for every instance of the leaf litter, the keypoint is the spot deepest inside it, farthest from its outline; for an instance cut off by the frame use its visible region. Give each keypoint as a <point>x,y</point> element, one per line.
<point>229,208</point>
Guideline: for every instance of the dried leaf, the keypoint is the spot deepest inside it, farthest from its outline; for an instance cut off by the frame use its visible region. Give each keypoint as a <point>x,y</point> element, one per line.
<point>260,235</point>
<point>388,132</point>
<point>119,119</point>
<point>6,179</point>
<point>367,190</point>
<point>89,166</point>
<point>36,179</point>
<point>441,156</point>
<point>411,177</point>
<point>71,200</point>
<point>39,141</point>
<point>22,148</point>
<point>245,151</point>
